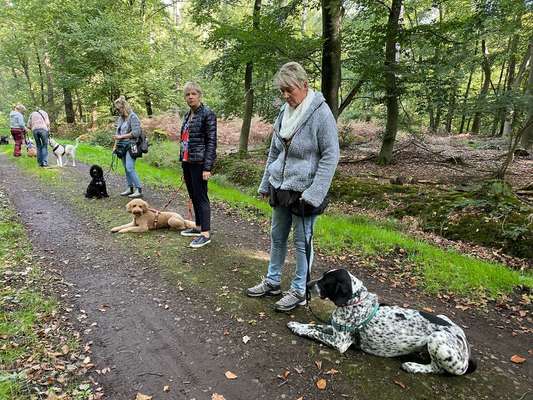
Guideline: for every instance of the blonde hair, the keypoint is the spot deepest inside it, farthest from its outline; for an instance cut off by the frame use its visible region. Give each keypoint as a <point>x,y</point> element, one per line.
<point>192,85</point>
<point>123,104</point>
<point>20,108</point>
<point>289,75</point>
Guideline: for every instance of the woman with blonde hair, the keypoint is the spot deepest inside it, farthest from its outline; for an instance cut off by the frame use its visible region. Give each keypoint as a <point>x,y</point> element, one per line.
<point>18,127</point>
<point>198,144</point>
<point>128,130</point>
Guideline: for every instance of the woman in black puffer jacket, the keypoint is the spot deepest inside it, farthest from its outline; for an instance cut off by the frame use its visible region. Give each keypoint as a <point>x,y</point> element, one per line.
<point>197,155</point>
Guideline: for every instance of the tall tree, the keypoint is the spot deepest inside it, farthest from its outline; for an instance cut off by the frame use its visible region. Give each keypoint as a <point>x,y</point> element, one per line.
<point>391,86</point>
<point>248,88</point>
<point>331,53</point>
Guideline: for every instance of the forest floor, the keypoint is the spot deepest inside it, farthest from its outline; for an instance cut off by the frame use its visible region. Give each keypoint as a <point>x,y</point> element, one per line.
<point>160,314</point>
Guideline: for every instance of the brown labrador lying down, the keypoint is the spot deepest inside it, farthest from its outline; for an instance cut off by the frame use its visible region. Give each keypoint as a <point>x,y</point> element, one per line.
<point>146,218</point>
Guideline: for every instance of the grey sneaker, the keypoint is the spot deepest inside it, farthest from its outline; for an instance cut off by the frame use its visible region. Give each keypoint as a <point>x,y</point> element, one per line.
<point>264,289</point>
<point>137,194</point>
<point>200,241</point>
<point>191,232</point>
<point>290,300</point>
<point>127,192</point>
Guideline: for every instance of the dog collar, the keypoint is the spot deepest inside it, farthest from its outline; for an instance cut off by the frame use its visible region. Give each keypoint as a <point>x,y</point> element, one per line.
<point>348,328</point>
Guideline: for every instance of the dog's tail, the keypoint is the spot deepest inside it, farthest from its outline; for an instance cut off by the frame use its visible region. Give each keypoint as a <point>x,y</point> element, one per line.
<point>189,224</point>
<point>472,366</point>
<point>77,141</point>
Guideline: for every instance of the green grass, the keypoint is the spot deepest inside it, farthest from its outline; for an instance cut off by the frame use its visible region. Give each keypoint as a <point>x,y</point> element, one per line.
<point>439,270</point>
<point>24,309</point>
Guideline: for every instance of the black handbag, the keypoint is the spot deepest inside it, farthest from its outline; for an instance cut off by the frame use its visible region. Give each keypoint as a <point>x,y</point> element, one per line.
<point>121,149</point>
<point>293,200</point>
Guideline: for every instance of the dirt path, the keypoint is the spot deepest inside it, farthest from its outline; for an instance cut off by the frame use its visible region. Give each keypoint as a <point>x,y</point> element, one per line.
<point>160,314</point>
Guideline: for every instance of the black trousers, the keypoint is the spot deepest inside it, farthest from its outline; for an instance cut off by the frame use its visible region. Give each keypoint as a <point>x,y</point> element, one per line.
<point>197,189</point>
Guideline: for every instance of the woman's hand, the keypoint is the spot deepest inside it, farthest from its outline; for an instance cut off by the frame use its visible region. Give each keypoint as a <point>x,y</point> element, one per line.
<point>117,137</point>
<point>206,175</point>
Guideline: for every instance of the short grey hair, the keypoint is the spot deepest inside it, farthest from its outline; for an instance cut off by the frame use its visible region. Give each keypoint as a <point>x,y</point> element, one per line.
<point>192,85</point>
<point>289,75</point>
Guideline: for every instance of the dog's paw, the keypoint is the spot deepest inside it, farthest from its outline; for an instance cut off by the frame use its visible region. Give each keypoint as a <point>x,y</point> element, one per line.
<point>294,326</point>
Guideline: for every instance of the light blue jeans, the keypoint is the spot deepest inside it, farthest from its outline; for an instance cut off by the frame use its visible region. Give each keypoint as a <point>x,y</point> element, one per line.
<point>282,221</point>
<point>129,168</point>
<point>41,142</point>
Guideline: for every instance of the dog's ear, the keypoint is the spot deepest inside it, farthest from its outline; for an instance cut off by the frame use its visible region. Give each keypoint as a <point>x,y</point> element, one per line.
<point>343,290</point>
<point>128,206</point>
<point>144,205</point>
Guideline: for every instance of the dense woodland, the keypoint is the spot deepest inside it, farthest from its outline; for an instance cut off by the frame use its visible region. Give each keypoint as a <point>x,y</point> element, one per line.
<point>448,66</point>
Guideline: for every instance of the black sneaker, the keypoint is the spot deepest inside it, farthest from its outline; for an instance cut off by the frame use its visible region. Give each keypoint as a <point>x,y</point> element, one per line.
<point>264,289</point>
<point>200,241</point>
<point>191,232</point>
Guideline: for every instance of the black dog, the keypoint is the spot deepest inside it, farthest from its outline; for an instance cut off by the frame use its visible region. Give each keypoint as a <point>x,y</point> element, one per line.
<point>97,188</point>
<point>4,140</point>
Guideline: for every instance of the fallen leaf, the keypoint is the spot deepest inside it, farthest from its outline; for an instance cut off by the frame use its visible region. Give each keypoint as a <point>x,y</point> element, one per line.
<point>65,349</point>
<point>318,364</point>
<point>141,396</point>
<point>300,398</point>
<point>428,309</point>
<point>166,388</point>
<point>332,371</point>
<point>217,396</point>
<point>245,339</point>
<point>518,359</point>
<point>230,375</point>
<point>400,384</point>
<point>321,384</point>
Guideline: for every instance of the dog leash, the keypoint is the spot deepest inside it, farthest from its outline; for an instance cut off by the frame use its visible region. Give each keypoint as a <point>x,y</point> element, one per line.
<point>173,197</point>
<point>308,259</point>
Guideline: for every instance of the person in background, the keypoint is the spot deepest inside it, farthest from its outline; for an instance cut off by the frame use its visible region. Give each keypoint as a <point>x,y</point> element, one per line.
<point>39,123</point>
<point>18,127</point>
<point>303,156</point>
<point>128,130</point>
<point>198,144</point>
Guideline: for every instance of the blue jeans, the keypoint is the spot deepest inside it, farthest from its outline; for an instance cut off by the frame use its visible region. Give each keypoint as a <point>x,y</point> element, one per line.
<point>129,168</point>
<point>282,221</point>
<point>41,142</point>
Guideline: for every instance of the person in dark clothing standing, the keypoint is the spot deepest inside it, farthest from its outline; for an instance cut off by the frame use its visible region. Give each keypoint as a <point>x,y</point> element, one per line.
<point>198,144</point>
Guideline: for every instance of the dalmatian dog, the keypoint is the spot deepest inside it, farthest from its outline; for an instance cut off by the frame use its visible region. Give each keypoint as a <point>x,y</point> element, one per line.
<point>386,331</point>
<point>60,151</point>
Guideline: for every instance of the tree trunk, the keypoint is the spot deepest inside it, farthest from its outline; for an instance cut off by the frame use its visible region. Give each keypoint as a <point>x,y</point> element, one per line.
<point>331,53</point>
<point>451,110</point>
<point>50,103</point>
<point>79,105</point>
<point>467,92</point>
<point>249,89</point>
<point>41,77</point>
<point>526,141</point>
<point>391,93</point>
<point>69,108</point>
<point>514,87</point>
<point>485,65</point>
<point>347,101</point>
<point>26,68</point>
<point>148,104</point>
<point>94,115</point>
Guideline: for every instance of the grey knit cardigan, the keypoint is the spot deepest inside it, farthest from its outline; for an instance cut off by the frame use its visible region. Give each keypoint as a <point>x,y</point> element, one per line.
<point>307,164</point>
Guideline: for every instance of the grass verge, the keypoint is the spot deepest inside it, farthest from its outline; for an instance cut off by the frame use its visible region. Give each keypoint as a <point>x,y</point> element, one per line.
<point>439,270</point>
<point>39,352</point>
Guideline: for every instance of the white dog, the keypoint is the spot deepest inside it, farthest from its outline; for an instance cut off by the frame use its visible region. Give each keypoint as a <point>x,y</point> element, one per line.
<point>68,151</point>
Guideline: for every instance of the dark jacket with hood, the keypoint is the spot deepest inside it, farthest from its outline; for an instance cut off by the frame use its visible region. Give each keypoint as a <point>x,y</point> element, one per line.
<point>202,137</point>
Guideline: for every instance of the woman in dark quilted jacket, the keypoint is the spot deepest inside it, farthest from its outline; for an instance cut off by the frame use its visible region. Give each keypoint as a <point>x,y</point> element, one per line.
<point>198,144</point>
